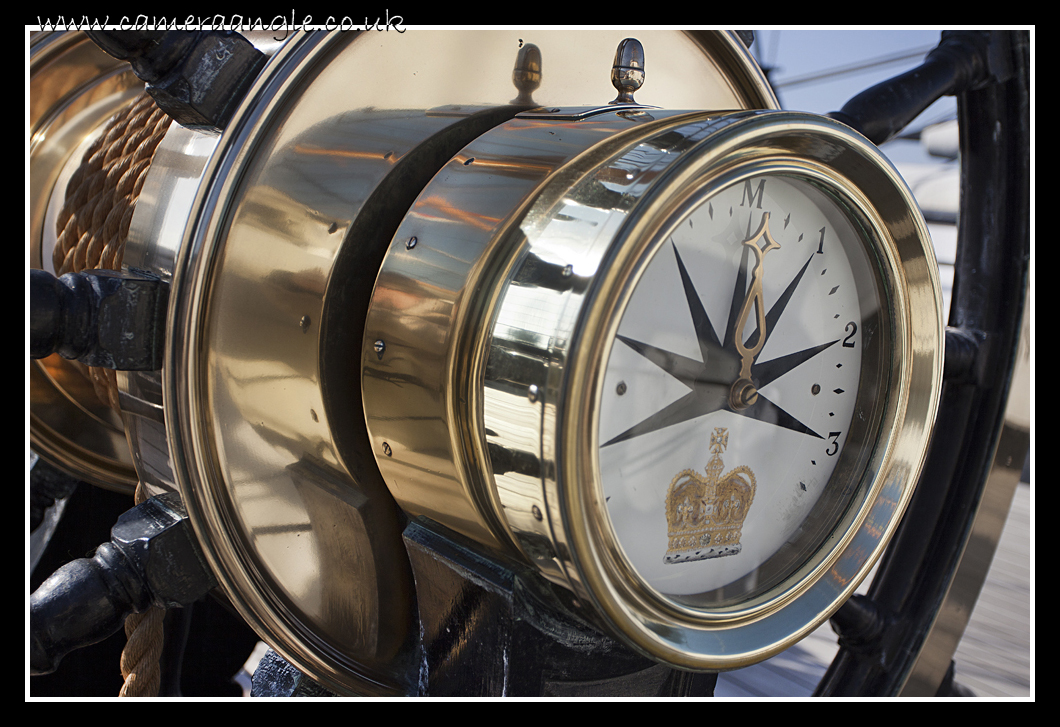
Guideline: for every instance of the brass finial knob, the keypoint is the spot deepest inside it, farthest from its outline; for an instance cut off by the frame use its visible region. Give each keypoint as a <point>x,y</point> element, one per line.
<point>627,72</point>
<point>527,73</point>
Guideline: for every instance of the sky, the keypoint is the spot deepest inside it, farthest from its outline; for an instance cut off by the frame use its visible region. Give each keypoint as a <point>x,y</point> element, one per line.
<point>800,60</point>
<point>818,71</point>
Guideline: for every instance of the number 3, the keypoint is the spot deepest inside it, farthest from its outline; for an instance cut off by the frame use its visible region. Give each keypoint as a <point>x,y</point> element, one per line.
<point>834,436</point>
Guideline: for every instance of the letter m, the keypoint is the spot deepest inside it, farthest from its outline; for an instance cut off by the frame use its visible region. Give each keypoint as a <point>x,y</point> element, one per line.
<point>749,195</point>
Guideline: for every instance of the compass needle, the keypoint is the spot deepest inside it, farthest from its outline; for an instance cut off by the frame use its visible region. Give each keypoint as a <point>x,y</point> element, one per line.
<point>743,389</point>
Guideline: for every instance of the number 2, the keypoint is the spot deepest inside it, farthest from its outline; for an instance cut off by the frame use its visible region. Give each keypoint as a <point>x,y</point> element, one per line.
<point>847,342</point>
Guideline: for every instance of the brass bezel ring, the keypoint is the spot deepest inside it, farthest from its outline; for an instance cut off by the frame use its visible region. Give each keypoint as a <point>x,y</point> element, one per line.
<point>869,186</point>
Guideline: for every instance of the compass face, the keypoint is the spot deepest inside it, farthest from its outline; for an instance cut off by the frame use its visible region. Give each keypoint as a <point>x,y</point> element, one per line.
<point>741,394</point>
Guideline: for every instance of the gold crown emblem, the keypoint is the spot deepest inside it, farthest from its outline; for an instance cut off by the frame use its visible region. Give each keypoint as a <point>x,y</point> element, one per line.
<point>705,515</point>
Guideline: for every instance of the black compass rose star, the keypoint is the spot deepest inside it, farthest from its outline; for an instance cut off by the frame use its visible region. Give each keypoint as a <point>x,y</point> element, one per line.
<point>711,379</point>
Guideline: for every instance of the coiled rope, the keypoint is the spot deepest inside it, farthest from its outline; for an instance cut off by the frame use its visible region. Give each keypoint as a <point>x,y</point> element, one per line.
<point>94,221</point>
<point>144,638</point>
<point>92,228</point>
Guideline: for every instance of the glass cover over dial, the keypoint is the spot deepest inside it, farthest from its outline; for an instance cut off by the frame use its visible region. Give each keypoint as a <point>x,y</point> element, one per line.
<point>741,392</point>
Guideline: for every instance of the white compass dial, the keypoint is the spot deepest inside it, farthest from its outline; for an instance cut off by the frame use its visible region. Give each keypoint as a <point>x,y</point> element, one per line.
<point>741,374</point>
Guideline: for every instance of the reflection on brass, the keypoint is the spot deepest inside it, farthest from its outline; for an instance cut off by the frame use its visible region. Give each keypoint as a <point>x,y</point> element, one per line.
<point>343,521</point>
<point>705,515</point>
<point>627,73</point>
<point>527,74</point>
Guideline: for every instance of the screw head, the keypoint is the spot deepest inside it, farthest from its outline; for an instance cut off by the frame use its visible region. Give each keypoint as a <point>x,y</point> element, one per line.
<point>743,394</point>
<point>380,347</point>
<point>411,243</point>
<point>387,450</point>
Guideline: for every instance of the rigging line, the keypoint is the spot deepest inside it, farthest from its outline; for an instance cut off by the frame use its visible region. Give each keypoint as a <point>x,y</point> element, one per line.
<point>774,38</point>
<point>853,68</point>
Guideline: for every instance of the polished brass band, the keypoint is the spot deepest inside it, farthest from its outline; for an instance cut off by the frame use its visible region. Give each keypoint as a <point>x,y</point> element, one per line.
<point>168,193</point>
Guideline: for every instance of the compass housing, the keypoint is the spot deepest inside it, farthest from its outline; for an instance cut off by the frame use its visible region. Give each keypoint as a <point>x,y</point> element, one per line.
<point>523,362</point>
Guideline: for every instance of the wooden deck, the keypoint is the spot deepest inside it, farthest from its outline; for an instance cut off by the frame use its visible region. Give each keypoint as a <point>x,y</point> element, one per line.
<point>993,659</point>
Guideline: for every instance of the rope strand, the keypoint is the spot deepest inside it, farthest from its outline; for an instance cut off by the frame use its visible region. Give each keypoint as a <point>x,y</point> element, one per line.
<point>92,227</point>
<point>144,639</point>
